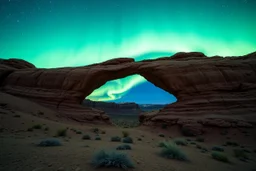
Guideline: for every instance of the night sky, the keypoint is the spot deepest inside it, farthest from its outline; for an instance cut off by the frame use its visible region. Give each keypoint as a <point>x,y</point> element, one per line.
<point>57,33</point>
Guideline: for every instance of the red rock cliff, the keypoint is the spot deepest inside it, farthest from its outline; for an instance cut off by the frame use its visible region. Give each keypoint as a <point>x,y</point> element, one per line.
<point>204,86</point>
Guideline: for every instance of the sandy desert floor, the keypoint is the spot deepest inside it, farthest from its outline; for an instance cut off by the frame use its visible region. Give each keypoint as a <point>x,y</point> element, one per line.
<point>19,150</point>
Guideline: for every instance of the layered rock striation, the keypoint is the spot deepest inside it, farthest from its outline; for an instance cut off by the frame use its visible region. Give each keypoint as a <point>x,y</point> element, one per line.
<point>206,87</point>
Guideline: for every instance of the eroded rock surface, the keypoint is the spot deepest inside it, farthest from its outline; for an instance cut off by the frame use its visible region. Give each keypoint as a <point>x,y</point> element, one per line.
<point>206,87</point>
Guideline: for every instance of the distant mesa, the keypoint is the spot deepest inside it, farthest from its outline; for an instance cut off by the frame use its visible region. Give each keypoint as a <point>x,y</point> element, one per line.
<point>127,108</point>
<point>213,91</point>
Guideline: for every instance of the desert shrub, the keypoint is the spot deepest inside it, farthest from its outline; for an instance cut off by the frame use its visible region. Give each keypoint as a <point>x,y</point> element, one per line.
<point>125,133</point>
<point>230,143</point>
<point>163,144</point>
<point>216,148</point>
<point>139,139</point>
<point>254,151</point>
<point>16,116</point>
<point>78,132</point>
<point>49,143</point>
<point>115,139</point>
<point>38,126</point>
<point>198,146</point>
<point>193,143</point>
<point>30,129</point>
<point>239,153</point>
<point>127,140</point>
<point>40,113</point>
<point>161,135</point>
<point>112,159</point>
<point>200,139</point>
<point>181,142</point>
<point>171,151</point>
<point>247,151</point>
<point>220,157</point>
<point>103,132</point>
<point>127,146</point>
<point>46,129</point>
<point>61,133</point>
<point>86,137</point>
<point>97,138</point>
<point>124,147</point>
<point>204,150</point>
<point>95,130</point>
<point>164,126</point>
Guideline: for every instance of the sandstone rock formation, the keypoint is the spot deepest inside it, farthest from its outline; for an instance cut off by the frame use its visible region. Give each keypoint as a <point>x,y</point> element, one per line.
<point>206,87</point>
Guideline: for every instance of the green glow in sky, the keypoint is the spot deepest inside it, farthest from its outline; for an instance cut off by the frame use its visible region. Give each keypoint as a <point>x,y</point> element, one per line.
<point>54,33</point>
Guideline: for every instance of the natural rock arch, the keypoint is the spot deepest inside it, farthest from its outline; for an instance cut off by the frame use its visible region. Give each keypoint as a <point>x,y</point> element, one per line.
<point>222,86</point>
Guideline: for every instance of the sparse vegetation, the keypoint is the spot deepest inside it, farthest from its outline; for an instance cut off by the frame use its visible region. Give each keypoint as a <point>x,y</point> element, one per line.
<point>16,116</point>
<point>49,143</point>
<point>240,154</point>
<point>200,139</point>
<point>230,143</point>
<point>38,126</point>
<point>46,129</point>
<point>163,144</point>
<point>78,132</point>
<point>115,139</point>
<point>217,148</point>
<point>30,129</point>
<point>103,132</point>
<point>41,113</point>
<point>125,133</point>
<point>139,139</point>
<point>198,146</point>
<point>204,150</point>
<point>124,147</point>
<point>97,138</point>
<point>171,151</point>
<point>95,130</point>
<point>86,137</point>
<point>123,123</point>
<point>247,151</point>
<point>161,135</point>
<point>193,143</point>
<point>61,133</point>
<point>112,159</point>
<point>220,157</point>
<point>181,141</point>
<point>127,140</point>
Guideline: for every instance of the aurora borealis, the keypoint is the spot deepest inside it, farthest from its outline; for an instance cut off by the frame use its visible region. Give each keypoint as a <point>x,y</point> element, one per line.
<point>58,33</point>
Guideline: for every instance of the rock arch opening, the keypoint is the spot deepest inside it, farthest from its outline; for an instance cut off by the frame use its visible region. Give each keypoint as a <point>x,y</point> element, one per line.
<point>124,99</point>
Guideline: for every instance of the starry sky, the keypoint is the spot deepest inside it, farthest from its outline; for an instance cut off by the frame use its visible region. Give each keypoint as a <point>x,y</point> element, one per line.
<point>58,33</point>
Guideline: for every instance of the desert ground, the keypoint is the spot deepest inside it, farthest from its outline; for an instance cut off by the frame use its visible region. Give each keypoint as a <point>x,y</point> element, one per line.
<point>19,150</point>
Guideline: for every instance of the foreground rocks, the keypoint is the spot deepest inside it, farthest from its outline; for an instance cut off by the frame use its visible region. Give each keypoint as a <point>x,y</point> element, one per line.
<point>220,88</point>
